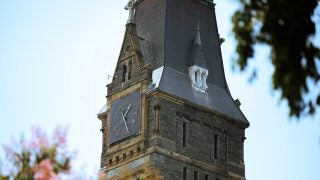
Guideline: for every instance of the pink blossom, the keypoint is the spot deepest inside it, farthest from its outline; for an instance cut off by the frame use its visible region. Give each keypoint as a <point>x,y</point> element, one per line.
<point>59,135</point>
<point>39,139</point>
<point>45,171</point>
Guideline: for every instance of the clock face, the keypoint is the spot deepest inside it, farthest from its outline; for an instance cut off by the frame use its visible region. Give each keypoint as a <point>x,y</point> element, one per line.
<point>125,117</point>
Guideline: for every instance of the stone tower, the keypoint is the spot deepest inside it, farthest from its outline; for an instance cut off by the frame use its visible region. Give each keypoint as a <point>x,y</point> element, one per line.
<point>168,107</point>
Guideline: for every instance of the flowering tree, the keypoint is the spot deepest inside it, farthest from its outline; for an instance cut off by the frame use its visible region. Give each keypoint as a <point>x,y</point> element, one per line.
<point>38,158</point>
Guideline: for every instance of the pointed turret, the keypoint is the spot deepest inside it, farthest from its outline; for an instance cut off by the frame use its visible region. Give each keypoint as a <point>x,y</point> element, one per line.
<point>198,71</point>
<point>198,35</point>
<point>198,57</point>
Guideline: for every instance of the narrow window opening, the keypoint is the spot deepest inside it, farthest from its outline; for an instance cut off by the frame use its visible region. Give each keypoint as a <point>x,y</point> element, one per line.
<point>138,150</point>
<point>156,119</point>
<point>131,153</point>
<point>110,162</point>
<point>206,177</point>
<point>195,175</point>
<point>196,77</point>
<point>184,134</point>
<point>124,156</point>
<point>124,72</point>
<point>215,148</point>
<point>117,159</point>
<point>203,80</point>
<point>129,69</point>
<point>185,171</point>
<point>199,82</point>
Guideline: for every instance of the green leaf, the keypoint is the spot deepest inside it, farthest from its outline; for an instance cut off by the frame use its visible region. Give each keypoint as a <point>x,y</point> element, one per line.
<point>288,34</point>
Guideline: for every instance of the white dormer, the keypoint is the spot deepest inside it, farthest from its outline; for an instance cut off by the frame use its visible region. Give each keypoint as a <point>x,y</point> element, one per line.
<point>198,78</point>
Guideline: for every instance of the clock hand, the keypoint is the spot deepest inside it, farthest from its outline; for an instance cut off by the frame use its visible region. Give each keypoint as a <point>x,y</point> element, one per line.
<point>125,114</point>
<point>124,121</point>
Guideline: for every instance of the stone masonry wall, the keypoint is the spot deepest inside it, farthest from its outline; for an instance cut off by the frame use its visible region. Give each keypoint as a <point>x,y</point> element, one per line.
<point>201,127</point>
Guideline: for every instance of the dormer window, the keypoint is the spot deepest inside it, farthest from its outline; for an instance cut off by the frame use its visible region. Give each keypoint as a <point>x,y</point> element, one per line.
<point>198,72</point>
<point>198,78</point>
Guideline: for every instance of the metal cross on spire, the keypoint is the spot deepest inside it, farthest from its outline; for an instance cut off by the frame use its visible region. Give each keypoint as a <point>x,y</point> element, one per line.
<point>131,7</point>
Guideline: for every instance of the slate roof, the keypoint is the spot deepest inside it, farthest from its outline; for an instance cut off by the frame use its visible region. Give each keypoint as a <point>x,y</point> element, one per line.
<point>146,50</point>
<point>167,29</point>
<point>216,99</point>
<point>198,57</point>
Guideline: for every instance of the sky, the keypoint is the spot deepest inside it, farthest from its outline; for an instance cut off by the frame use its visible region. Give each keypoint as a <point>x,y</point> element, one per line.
<point>55,59</point>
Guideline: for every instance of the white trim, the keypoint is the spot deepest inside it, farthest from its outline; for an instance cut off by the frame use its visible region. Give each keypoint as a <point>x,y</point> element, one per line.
<point>156,76</point>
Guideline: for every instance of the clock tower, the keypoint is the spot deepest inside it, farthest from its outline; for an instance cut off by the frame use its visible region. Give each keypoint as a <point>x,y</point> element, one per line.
<point>169,112</point>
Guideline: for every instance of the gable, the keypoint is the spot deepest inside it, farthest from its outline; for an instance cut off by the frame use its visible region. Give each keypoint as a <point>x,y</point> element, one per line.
<point>130,67</point>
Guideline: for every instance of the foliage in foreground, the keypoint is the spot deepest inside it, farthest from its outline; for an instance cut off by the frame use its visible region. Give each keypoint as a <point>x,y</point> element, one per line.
<point>43,158</point>
<point>38,158</point>
<point>287,27</point>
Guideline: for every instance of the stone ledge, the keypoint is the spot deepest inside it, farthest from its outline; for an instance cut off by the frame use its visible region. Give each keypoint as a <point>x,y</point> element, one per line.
<point>187,160</point>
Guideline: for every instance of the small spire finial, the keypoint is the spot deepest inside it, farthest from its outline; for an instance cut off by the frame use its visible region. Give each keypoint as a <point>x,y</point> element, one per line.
<point>131,7</point>
<point>198,37</point>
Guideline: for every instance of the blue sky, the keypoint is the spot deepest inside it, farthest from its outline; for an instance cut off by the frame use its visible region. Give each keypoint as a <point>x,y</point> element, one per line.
<point>55,58</point>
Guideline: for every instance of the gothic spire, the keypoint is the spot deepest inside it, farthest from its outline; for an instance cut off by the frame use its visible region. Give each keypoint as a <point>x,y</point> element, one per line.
<point>198,36</point>
<point>197,56</point>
